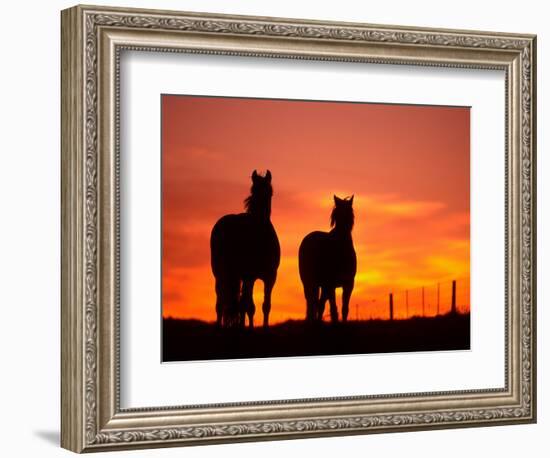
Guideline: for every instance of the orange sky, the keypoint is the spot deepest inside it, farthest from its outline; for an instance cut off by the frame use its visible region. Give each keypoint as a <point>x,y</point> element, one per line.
<point>408,166</point>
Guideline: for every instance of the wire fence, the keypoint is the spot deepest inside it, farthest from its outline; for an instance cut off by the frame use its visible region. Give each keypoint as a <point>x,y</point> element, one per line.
<point>452,296</point>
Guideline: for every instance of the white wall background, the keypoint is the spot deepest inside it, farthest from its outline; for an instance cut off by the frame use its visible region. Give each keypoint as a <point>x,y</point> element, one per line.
<point>29,232</point>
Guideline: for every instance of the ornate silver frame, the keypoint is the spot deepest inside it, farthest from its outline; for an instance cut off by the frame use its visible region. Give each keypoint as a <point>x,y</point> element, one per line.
<point>92,38</point>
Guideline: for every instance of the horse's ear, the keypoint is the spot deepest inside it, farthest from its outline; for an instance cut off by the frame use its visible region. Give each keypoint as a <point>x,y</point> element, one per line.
<point>337,200</point>
<point>254,175</point>
<point>268,176</point>
<point>351,199</point>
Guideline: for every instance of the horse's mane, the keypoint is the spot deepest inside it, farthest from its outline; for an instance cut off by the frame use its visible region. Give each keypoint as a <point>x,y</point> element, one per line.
<point>248,203</point>
<point>258,198</point>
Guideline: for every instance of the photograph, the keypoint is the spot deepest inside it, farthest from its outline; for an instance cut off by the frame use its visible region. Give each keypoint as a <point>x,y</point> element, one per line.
<point>307,227</point>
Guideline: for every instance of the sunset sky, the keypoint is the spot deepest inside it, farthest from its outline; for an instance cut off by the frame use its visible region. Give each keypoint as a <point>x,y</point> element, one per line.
<point>408,167</point>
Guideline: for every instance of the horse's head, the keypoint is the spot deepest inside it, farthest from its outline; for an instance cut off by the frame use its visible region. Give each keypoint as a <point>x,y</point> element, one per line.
<point>261,185</point>
<point>342,216</point>
<point>259,201</point>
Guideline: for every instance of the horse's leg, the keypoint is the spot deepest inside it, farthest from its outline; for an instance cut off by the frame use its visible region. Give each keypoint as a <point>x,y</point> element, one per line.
<point>219,303</point>
<point>331,293</point>
<point>242,306</point>
<point>247,301</point>
<point>346,295</point>
<point>266,306</point>
<point>321,304</point>
<point>230,303</point>
<point>311,294</point>
<point>227,296</point>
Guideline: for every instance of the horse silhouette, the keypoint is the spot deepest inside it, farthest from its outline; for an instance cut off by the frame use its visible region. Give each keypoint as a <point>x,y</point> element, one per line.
<point>244,248</point>
<point>327,261</point>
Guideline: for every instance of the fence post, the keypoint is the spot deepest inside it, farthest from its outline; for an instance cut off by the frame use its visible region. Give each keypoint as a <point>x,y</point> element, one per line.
<point>407,303</point>
<point>423,307</point>
<point>438,285</point>
<point>391,306</point>
<point>453,303</point>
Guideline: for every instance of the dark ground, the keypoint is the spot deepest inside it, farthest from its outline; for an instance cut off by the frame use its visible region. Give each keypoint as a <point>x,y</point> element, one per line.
<point>186,340</point>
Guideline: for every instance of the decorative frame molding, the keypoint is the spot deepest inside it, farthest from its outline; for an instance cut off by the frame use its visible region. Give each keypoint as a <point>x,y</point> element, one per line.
<point>92,39</point>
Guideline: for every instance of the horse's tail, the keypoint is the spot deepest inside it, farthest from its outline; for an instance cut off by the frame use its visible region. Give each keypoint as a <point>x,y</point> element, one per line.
<point>306,265</point>
<point>216,248</point>
<point>225,274</point>
<point>227,301</point>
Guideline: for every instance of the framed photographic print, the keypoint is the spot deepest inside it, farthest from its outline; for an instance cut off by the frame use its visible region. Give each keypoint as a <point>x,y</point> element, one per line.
<point>397,247</point>
<point>278,228</point>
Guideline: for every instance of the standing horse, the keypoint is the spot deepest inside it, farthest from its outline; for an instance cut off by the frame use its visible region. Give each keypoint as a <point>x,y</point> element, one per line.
<point>327,261</point>
<point>244,248</point>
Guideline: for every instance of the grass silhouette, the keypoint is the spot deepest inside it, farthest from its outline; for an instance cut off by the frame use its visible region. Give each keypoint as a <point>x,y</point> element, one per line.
<point>188,340</point>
